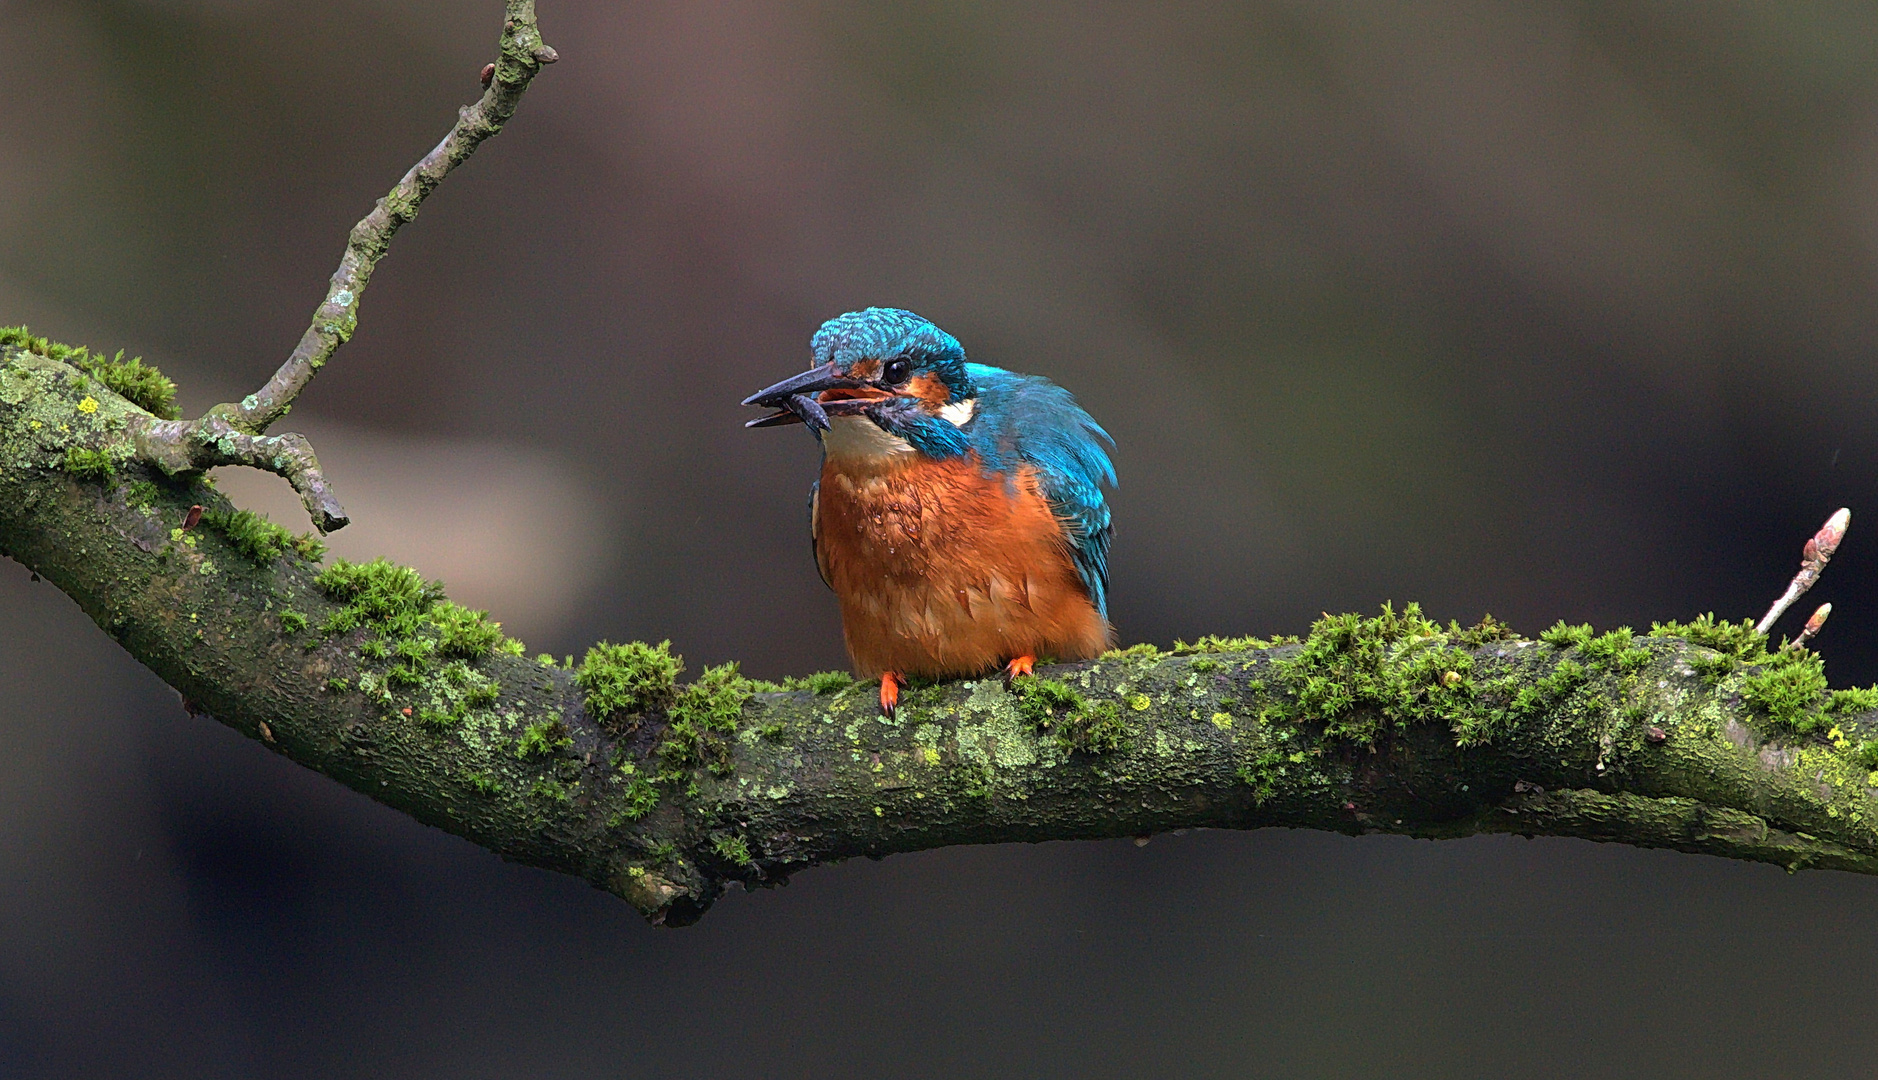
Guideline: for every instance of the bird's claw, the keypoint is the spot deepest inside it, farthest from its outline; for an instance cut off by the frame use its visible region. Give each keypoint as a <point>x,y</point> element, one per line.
<point>890,685</point>
<point>1019,665</point>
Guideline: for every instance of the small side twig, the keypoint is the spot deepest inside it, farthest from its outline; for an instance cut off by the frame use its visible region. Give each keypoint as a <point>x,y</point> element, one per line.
<point>235,433</point>
<point>1813,558</point>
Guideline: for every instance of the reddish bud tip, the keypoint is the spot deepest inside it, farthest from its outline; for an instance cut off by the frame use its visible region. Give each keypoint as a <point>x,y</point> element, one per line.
<point>489,73</point>
<point>1832,532</point>
<point>189,519</point>
<point>1819,618</point>
<point>1655,736</point>
<point>407,710</point>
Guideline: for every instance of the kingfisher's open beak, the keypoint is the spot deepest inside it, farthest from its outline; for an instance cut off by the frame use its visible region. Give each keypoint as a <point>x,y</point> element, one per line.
<point>812,397</point>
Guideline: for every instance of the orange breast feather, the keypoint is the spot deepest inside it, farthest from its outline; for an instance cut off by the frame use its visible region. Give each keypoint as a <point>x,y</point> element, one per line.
<point>942,571</point>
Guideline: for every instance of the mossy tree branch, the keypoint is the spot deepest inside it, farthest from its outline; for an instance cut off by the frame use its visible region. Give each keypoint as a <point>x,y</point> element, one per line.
<point>1697,738</point>
<point>667,792</point>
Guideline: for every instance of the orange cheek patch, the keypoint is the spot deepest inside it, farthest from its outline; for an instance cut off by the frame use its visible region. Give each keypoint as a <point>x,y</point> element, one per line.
<point>928,388</point>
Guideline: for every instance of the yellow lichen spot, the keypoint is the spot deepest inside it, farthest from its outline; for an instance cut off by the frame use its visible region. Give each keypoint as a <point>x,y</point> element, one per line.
<point>89,405</point>
<point>1222,721</point>
<point>878,812</point>
<point>1139,702</point>
<point>1839,741</point>
<point>931,754</point>
<point>635,871</point>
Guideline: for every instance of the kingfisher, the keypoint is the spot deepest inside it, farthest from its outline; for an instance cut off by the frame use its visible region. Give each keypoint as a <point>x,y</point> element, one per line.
<point>960,517</point>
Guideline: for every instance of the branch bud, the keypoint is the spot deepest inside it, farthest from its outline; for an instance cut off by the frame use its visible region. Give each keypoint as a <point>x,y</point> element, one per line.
<point>1826,540</point>
<point>1818,620</point>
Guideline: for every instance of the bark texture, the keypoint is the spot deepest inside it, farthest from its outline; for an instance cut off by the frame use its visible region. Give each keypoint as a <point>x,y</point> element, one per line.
<point>667,793</point>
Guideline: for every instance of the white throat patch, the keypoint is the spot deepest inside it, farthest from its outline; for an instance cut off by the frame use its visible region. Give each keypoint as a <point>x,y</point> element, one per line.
<point>858,439</point>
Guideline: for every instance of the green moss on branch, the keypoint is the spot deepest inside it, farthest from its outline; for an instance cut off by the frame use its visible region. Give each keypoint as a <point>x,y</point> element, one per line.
<point>89,464</point>
<point>137,382</point>
<point>620,683</point>
<point>1076,724</point>
<point>1362,677</point>
<point>260,539</point>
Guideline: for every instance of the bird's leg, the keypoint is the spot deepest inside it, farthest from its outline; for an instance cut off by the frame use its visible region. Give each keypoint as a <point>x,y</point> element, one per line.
<point>890,685</point>
<point>1019,665</point>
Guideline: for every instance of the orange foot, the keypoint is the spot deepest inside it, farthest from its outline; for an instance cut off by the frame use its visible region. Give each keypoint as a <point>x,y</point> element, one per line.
<point>1019,665</point>
<point>890,685</point>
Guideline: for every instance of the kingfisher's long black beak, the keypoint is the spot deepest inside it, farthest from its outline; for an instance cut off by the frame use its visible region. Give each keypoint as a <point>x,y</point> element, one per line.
<point>794,399</point>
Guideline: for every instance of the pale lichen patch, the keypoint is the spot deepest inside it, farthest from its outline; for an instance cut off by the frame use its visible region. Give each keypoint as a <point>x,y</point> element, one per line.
<point>990,732</point>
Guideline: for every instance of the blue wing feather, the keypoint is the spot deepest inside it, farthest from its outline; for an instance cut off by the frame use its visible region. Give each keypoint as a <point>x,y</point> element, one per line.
<point>1029,420</point>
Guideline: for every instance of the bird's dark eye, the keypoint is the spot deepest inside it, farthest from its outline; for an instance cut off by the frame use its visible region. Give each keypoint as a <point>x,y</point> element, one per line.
<point>896,371</point>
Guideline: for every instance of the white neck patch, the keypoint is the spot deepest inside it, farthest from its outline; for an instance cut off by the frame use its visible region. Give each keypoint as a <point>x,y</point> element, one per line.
<point>858,439</point>
<point>959,413</point>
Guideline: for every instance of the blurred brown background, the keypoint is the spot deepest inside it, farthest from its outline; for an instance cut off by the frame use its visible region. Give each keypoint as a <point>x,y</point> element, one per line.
<point>1552,310</point>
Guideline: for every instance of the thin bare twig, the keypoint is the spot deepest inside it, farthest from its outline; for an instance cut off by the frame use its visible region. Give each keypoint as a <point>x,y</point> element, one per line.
<point>522,54</point>
<point>235,433</point>
<point>1813,558</point>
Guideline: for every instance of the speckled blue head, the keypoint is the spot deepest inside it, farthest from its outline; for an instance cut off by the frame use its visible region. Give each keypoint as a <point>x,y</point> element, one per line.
<point>886,334</point>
